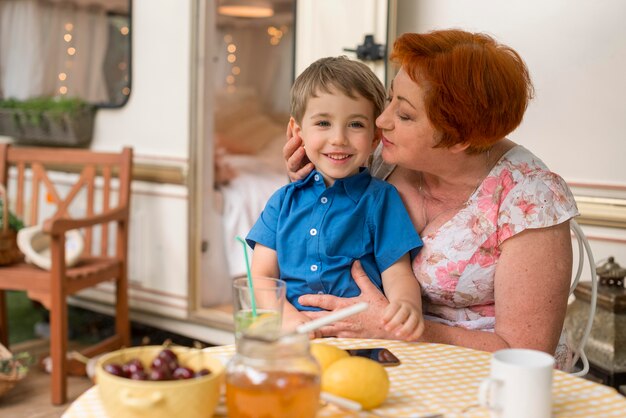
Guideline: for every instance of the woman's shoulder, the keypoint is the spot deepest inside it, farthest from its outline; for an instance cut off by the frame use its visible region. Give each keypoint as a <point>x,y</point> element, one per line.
<point>523,168</point>
<point>528,193</point>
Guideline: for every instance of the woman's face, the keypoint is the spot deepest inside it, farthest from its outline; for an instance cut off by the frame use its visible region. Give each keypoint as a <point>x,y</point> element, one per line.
<point>408,137</point>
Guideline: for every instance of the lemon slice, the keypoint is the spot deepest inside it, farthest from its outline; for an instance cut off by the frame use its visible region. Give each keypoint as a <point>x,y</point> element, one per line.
<point>265,320</point>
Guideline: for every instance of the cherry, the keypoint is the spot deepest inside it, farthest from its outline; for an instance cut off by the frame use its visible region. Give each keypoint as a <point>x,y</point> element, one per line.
<point>133,366</point>
<point>139,375</point>
<point>159,374</point>
<point>182,373</point>
<point>115,369</point>
<point>169,357</point>
<point>160,364</point>
<point>168,354</point>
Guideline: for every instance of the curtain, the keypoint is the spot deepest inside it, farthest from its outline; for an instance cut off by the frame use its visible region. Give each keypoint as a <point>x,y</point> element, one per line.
<point>265,68</point>
<point>34,50</point>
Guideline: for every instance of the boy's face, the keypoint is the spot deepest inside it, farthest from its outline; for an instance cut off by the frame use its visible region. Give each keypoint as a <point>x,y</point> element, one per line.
<point>339,133</point>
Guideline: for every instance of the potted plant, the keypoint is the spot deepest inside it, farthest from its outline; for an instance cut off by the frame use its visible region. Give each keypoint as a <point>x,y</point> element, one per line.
<point>9,251</point>
<point>48,121</point>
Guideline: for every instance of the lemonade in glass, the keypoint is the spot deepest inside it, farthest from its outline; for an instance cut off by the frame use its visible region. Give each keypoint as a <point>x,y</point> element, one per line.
<point>261,313</point>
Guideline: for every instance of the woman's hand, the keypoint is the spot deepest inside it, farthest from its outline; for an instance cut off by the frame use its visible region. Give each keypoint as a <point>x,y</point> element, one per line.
<point>367,324</point>
<point>296,161</point>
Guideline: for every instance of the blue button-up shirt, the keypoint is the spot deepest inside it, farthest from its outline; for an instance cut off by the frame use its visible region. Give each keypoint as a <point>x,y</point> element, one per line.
<point>318,232</point>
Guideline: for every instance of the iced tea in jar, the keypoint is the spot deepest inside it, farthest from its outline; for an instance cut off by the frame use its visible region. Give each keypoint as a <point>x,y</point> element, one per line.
<point>273,378</point>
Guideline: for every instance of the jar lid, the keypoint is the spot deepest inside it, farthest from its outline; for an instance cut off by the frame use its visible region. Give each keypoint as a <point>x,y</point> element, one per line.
<point>611,270</point>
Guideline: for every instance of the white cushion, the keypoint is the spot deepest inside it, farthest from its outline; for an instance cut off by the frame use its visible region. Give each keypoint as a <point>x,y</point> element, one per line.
<point>35,244</point>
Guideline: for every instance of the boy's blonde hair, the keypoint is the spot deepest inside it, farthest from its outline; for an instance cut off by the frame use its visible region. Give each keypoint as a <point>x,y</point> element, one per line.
<point>348,76</point>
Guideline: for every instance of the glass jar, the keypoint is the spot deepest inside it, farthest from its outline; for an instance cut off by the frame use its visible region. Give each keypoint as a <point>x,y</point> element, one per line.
<point>278,378</point>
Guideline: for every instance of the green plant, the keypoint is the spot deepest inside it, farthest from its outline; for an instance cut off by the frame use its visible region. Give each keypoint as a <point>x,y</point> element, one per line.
<point>54,107</point>
<point>15,223</point>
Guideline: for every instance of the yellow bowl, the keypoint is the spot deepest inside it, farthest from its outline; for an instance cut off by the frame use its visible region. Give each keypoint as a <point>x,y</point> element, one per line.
<point>190,398</point>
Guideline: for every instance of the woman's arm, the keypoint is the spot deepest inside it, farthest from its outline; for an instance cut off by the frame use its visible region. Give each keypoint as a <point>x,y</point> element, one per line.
<point>531,288</point>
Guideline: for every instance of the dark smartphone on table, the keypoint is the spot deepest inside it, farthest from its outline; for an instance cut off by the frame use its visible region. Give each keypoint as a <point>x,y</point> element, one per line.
<point>381,355</point>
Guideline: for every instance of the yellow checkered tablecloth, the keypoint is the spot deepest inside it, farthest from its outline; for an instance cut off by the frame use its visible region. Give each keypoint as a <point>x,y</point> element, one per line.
<point>433,378</point>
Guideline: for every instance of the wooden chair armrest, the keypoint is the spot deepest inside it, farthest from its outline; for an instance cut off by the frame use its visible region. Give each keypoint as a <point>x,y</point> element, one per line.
<point>59,226</point>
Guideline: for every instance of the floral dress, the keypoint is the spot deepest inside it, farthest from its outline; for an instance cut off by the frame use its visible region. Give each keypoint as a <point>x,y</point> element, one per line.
<point>456,266</point>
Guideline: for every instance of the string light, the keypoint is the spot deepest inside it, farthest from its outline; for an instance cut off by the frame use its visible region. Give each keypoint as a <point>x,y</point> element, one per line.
<point>64,76</point>
<point>235,70</point>
<point>275,34</point>
<point>125,91</point>
<point>124,30</point>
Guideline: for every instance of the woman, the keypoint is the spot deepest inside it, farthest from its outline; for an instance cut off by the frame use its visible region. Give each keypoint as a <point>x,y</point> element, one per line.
<point>494,220</point>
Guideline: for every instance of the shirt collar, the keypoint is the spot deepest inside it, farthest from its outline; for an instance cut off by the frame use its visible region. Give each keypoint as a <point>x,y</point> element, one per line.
<point>354,186</point>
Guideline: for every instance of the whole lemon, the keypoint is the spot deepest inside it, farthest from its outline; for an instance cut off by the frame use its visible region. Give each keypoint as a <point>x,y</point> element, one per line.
<point>327,354</point>
<point>360,379</point>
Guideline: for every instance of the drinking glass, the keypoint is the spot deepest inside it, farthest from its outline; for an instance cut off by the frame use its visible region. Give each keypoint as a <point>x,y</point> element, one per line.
<point>265,315</point>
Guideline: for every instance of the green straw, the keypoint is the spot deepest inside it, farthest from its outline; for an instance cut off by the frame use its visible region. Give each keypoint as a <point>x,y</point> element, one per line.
<point>250,287</point>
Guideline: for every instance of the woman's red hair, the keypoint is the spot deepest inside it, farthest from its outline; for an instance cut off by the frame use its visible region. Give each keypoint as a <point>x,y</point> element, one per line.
<point>476,90</point>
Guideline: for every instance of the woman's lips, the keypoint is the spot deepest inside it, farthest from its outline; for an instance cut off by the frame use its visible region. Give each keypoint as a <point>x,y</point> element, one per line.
<point>386,141</point>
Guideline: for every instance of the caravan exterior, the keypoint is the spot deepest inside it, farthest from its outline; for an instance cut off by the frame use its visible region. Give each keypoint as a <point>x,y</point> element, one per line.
<point>205,106</point>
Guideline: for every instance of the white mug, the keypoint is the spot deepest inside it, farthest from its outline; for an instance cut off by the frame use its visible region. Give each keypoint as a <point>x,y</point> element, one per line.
<point>520,384</point>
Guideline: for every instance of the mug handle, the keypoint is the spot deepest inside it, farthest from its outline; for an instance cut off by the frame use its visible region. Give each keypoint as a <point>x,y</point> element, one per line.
<point>488,394</point>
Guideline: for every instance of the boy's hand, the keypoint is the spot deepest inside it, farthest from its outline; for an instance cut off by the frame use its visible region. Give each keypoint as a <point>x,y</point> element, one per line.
<point>404,320</point>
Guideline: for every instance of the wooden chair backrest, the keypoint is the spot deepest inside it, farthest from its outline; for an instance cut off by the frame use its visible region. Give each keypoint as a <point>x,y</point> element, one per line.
<point>101,177</point>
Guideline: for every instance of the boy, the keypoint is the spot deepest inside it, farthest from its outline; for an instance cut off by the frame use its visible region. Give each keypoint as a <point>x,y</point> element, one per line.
<point>311,231</point>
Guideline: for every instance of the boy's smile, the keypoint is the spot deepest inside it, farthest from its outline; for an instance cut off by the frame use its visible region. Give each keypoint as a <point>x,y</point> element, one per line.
<point>338,133</point>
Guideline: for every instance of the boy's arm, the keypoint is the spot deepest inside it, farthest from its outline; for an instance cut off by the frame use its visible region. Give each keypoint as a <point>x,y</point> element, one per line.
<point>265,263</point>
<point>404,313</point>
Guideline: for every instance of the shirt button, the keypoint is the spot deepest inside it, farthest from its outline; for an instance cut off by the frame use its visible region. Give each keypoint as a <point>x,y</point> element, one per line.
<point>316,177</point>
<point>320,292</point>
<point>324,199</point>
<point>313,231</point>
<point>313,267</point>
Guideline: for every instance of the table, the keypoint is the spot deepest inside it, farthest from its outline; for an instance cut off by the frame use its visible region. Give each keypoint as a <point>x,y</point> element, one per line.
<point>433,378</point>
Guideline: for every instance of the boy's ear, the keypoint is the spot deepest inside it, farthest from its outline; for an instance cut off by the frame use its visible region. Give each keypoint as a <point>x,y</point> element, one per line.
<point>293,126</point>
<point>378,134</point>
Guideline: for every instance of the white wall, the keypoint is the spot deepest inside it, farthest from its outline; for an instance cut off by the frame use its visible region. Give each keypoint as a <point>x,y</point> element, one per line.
<point>576,53</point>
<point>156,122</point>
<point>156,118</point>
